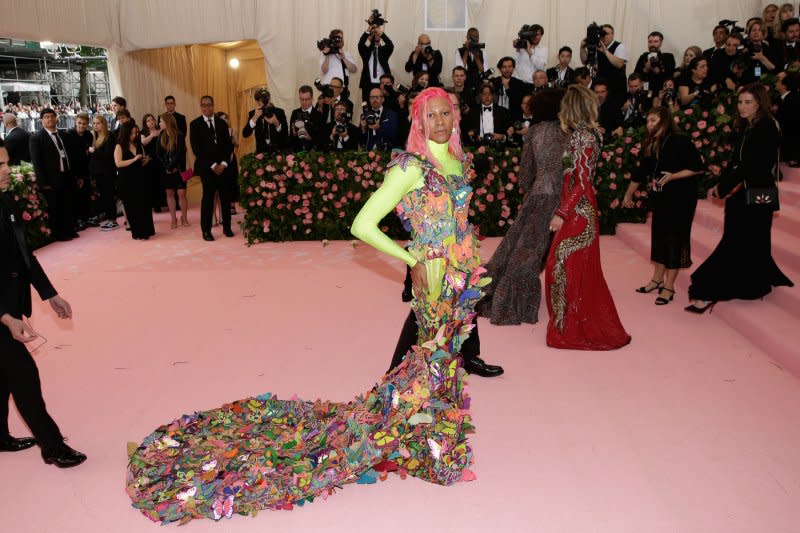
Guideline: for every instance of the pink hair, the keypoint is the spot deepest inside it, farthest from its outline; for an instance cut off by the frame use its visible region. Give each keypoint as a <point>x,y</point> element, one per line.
<point>419,134</point>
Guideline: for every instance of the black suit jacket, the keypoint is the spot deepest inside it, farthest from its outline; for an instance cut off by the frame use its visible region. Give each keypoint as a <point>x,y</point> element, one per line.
<point>19,268</point>
<point>656,81</point>
<point>516,90</point>
<point>500,116</point>
<point>789,120</point>
<point>206,151</point>
<point>434,68</point>
<point>365,51</point>
<point>180,121</point>
<point>45,159</point>
<point>352,142</point>
<point>268,138</point>
<point>78,150</point>
<point>552,76</point>
<point>18,146</point>
<point>314,127</point>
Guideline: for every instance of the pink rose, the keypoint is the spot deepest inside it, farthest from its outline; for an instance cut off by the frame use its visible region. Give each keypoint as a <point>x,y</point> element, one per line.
<point>701,124</point>
<point>266,225</point>
<point>612,186</point>
<point>688,112</point>
<point>289,159</point>
<point>260,172</point>
<point>26,216</point>
<point>260,157</point>
<point>614,203</point>
<point>628,140</point>
<point>490,197</point>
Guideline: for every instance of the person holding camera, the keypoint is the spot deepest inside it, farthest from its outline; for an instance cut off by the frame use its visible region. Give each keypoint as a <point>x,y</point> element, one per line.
<point>425,59</point>
<point>562,75</point>
<point>472,58</point>
<point>667,96</point>
<point>375,49</point>
<point>608,56</point>
<point>637,102</point>
<point>343,134</point>
<point>330,95</point>
<point>654,65</point>
<point>762,55</point>
<point>305,123</point>
<point>334,62</point>
<point>379,124</point>
<point>529,55</point>
<point>267,122</point>
<point>721,64</point>
<point>489,123</point>
<point>508,88</point>
<point>696,88</point>
<point>393,97</point>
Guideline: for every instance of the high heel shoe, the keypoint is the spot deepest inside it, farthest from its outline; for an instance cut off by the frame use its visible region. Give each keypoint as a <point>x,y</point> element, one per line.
<point>700,309</point>
<point>664,301</point>
<point>644,289</point>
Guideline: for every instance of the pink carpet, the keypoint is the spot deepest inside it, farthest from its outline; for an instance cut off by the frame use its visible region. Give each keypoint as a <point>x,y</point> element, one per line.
<point>690,428</point>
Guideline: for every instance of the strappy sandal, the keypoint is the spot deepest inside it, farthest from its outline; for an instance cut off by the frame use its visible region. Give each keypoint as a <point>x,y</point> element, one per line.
<point>664,301</point>
<point>645,290</point>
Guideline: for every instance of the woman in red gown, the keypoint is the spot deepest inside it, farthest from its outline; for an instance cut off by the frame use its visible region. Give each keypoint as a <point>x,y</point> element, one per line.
<point>582,313</point>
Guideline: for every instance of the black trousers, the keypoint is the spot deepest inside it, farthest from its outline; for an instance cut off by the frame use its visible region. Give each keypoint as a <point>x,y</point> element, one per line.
<point>408,338</point>
<point>61,206</point>
<point>211,185</point>
<point>19,378</point>
<point>107,186</point>
<point>83,199</point>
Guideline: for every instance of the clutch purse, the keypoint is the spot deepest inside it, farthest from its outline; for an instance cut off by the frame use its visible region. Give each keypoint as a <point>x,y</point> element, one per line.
<point>763,196</point>
<point>187,174</point>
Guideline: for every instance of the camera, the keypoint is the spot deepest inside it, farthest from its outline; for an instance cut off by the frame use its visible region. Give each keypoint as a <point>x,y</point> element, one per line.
<point>654,58</point>
<point>333,44</point>
<point>474,45</point>
<point>268,111</point>
<point>428,51</point>
<point>733,29</point>
<point>301,125</point>
<point>594,36</point>
<point>668,96</point>
<point>525,36</point>
<point>519,125</point>
<point>376,19</point>
<point>486,74</point>
<point>488,137</point>
<point>395,91</point>
<point>755,48</point>
<point>370,116</point>
<point>325,89</point>
<point>342,123</point>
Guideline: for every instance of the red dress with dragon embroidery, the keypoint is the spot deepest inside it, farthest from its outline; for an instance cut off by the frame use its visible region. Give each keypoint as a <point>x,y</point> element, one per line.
<point>582,312</point>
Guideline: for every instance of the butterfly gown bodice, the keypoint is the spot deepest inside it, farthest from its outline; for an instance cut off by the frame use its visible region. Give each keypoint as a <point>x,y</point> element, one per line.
<point>265,453</point>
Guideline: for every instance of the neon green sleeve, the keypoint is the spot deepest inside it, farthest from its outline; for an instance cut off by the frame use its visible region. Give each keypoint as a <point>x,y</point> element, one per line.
<point>396,184</point>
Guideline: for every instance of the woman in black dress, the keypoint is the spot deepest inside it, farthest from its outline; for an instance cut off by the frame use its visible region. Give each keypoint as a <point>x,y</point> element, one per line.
<point>104,171</point>
<point>171,153</point>
<point>149,138</point>
<point>672,164</point>
<point>742,265</point>
<point>133,186</point>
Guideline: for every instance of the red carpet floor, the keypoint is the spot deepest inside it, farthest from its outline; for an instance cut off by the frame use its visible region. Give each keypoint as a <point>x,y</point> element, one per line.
<point>690,428</point>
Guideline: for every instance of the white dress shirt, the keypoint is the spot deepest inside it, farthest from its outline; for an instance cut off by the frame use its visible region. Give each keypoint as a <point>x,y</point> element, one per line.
<point>487,120</point>
<point>334,67</point>
<point>528,64</point>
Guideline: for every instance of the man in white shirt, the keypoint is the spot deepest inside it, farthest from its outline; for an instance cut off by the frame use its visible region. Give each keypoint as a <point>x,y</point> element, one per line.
<point>334,62</point>
<point>530,55</point>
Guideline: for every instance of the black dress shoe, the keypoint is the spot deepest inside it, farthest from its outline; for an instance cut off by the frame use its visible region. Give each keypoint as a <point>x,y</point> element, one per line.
<point>63,457</point>
<point>208,237</point>
<point>11,444</point>
<point>227,232</point>
<point>479,367</point>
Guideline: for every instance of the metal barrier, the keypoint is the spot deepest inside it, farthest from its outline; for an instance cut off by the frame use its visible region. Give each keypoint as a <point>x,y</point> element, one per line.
<point>65,122</point>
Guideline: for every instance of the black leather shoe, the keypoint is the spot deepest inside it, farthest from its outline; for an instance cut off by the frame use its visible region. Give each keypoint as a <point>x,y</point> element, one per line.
<point>479,367</point>
<point>63,457</point>
<point>208,237</point>
<point>11,444</point>
<point>227,232</point>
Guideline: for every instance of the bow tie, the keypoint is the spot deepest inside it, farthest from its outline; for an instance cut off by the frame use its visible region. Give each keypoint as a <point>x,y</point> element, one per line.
<point>487,108</point>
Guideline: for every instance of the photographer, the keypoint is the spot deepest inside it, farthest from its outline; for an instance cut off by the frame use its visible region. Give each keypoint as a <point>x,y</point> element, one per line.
<point>375,49</point>
<point>472,57</point>
<point>720,66</point>
<point>305,123</point>
<point>696,88</point>
<point>267,122</point>
<point>329,95</point>
<point>654,65</point>
<point>608,115</point>
<point>637,103</point>
<point>667,97</point>
<point>509,89</point>
<point>393,97</point>
<point>762,55</point>
<point>379,124</point>
<point>334,62</point>
<point>425,59</point>
<point>562,75</point>
<point>344,135</point>
<point>489,123</point>
<point>609,57</point>
<point>529,55</point>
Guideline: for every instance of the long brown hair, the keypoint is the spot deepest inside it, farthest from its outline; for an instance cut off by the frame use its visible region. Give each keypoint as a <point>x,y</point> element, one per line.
<point>579,105</point>
<point>101,137</point>
<point>666,126</point>
<point>169,135</point>
<point>759,92</point>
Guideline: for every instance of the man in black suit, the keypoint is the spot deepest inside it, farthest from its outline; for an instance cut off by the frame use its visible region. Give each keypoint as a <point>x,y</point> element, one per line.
<point>118,104</point>
<point>720,35</point>
<point>180,120</point>
<point>488,122</point>
<point>268,123</point>
<point>54,174</point>
<point>379,124</point>
<point>212,147</point>
<point>425,59</point>
<point>509,89</point>
<point>562,75</point>
<point>790,47</point>
<point>375,49</point>
<point>654,65</point>
<point>306,123</point>
<point>343,134</point>
<point>788,86</point>
<point>78,141</point>
<point>17,140</point>
<point>19,376</point>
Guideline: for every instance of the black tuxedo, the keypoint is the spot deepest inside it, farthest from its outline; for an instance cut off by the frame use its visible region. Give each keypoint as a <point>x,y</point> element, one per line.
<point>789,120</point>
<point>516,90</point>
<point>212,148</point>
<point>500,116</point>
<point>434,68</point>
<point>268,138</point>
<point>314,123</point>
<point>788,54</point>
<point>18,146</point>
<point>58,187</point>
<point>19,269</point>
<point>552,76</point>
<point>366,51</point>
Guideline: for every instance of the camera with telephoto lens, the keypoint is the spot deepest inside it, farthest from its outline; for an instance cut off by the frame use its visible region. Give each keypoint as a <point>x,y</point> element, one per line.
<point>473,44</point>
<point>333,44</point>
<point>370,116</point>
<point>594,36</point>
<point>733,29</point>
<point>376,19</point>
<point>654,58</point>
<point>428,51</point>
<point>325,89</point>
<point>668,96</point>
<point>301,125</point>
<point>486,74</point>
<point>395,91</point>
<point>525,36</point>
<point>342,123</point>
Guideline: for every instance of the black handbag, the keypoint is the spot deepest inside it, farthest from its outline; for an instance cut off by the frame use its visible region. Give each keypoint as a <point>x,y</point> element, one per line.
<point>764,196</point>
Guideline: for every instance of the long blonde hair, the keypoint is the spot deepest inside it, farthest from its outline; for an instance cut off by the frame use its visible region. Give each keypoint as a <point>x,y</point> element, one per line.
<point>101,137</point>
<point>169,136</point>
<point>579,106</point>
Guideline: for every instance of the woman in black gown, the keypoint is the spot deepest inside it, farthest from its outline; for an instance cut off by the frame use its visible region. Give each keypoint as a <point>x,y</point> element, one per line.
<point>742,265</point>
<point>133,186</point>
<point>672,163</point>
